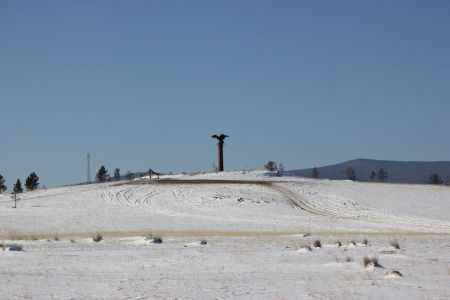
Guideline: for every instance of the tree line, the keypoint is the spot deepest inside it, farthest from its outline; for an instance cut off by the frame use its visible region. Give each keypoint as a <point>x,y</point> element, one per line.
<point>103,175</point>
<point>272,166</point>
<point>31,184</point>
<point>380,176</point>
<point>32,181</point>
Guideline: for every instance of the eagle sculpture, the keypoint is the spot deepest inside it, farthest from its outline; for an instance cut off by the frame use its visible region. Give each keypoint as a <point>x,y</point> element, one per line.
<point>220,137</point>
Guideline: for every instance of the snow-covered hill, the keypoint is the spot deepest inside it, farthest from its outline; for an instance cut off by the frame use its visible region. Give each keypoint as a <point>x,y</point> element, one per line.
<point>258,228</point>
<point>257,202</point>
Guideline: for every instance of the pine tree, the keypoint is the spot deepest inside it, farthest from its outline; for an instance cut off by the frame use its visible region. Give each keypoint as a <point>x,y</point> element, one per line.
<point>351,174</point>
<point>271,166</point>
<point>18,187</point>
<point>373,175</point>
<point>315,173</point>
<point>31,183</point>
<point>117,174</point>
<point>435,179</point>
<point>2,184</point>
<point>382,175</point>
<point>102,174</point>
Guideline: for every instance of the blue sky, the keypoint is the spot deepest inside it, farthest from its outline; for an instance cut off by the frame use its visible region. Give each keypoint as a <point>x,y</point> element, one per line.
<point>142,84</point>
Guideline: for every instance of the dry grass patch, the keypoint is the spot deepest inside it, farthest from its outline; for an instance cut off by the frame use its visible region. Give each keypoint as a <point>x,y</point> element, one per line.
<point>373,260</point>
<point>345,259</point>
<point>11,247</point>
<point>395,244</point>
<point>97,238</point>
<point>317,244</point>
<point>349,259</point>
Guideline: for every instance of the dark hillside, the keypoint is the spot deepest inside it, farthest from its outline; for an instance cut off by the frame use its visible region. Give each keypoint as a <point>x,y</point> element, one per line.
<point>398,171</point>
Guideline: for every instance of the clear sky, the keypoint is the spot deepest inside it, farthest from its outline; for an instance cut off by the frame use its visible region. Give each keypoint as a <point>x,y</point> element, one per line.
<point>142,84</point>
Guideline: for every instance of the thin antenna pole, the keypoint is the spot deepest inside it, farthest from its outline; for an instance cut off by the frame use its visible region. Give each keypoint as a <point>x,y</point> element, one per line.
<point>88,168</point>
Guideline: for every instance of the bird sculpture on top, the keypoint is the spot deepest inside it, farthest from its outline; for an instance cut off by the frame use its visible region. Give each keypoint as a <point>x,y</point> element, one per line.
<point>220,149</point>
<point>220,137</point>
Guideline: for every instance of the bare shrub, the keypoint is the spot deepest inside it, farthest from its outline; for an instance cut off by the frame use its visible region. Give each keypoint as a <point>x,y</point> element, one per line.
<point>349,259</point>
<point>56,239</point>
<point>11,247</point>
<point>203,242</point>
<point>365,242</point>
<point>346,259</point>
<point>97,238</point>
<point>395,244</point>
<point>317,244</point>
<point>375,261</point>
<point>368,260</point>
<point>157,240</point>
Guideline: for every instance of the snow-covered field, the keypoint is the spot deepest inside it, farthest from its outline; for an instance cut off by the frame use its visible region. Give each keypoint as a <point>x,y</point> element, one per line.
<point>256,225</point>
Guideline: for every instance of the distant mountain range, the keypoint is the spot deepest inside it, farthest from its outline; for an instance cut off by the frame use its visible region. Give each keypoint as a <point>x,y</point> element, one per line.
<point>398,171</point>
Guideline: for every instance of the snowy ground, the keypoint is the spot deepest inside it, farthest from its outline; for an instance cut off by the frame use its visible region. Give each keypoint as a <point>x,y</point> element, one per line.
<point>254,225</point>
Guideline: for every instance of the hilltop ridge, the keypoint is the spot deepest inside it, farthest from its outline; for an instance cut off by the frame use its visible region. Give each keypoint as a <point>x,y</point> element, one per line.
<point>398,171</point>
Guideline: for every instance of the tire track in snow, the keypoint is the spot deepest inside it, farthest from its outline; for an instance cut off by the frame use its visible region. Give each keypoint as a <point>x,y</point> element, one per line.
<point>330,206</point>
<point>300,202</point>
<point>294,198</point>
<point>299,195</point>
<point>149,196</point>
<point>130,196</point>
